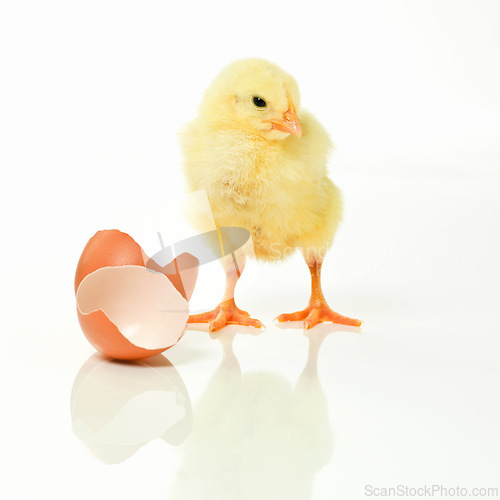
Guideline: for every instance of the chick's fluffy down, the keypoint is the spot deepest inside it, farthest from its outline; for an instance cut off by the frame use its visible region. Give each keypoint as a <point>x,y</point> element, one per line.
<point>278,190</point>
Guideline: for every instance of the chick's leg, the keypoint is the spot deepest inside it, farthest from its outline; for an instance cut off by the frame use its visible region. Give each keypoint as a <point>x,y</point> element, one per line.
<point>318,310</point>
<point>227,313</point>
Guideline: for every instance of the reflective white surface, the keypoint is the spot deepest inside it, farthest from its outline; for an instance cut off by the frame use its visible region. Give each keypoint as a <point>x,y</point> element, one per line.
<point>410,398</point>
<point>409,90</point>
<point>118,407</point>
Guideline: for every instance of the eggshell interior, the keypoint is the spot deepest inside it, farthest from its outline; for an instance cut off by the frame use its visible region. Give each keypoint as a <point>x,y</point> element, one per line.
<point>144,305</point>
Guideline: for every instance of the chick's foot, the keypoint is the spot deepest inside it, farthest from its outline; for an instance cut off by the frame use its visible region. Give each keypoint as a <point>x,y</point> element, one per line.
<point>318,313</point>
<point>226,313</point>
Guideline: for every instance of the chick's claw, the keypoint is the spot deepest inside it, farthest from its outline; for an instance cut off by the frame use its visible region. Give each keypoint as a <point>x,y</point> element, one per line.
<point>226,313</point>
<point>312,315</point>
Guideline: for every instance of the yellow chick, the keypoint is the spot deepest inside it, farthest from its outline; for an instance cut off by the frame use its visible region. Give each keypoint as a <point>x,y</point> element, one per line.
<point>262,161</point>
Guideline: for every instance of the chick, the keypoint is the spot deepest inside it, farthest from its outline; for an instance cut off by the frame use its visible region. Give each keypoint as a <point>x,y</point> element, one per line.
<point>262,161</point>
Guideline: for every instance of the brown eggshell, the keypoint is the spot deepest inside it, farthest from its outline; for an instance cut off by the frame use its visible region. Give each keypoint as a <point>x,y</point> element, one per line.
<point>109,247</point>
<point>182,272</point>
<point>118,251</point>
<point>108,340</point>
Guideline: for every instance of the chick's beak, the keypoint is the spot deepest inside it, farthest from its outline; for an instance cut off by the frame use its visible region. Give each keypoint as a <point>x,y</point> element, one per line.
<point>290,122</point>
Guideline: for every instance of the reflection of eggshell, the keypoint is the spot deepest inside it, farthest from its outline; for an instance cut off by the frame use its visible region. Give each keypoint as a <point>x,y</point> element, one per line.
<point>117,408</point>
<point>128,306</point>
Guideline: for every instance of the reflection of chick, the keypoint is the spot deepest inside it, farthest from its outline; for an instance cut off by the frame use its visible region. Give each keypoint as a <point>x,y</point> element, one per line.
<point>254,436</point>
<point>262,162</point>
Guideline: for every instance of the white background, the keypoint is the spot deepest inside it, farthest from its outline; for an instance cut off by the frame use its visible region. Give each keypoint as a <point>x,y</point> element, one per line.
<point>92,96</point>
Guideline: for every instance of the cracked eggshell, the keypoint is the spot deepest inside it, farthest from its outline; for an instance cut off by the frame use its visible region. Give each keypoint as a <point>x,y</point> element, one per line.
<point>128,306</point>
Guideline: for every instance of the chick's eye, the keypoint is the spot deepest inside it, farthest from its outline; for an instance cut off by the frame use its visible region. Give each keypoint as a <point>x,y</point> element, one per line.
<point>259,102</point>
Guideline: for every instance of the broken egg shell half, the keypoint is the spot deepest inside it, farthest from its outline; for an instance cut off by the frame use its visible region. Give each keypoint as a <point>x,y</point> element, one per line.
<point>128,306</point>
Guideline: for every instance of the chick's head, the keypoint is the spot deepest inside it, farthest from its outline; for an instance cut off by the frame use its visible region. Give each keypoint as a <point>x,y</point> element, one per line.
<point>256,96</point>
